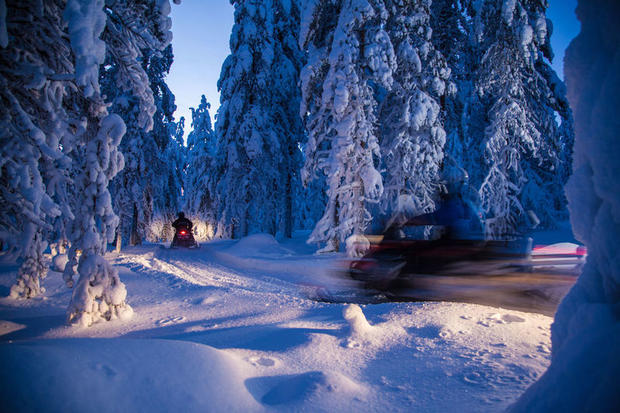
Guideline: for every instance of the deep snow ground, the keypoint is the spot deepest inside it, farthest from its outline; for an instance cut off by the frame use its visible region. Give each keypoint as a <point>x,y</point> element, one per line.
<point>231,327</point>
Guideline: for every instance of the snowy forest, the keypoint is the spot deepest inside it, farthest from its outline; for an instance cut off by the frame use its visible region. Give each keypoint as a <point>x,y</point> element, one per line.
<point>336,117</point>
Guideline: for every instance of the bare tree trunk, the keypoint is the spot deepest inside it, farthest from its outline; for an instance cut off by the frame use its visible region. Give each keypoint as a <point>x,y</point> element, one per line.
<point>135,238</point>
<point>288,207</point>
<point>335,242</point>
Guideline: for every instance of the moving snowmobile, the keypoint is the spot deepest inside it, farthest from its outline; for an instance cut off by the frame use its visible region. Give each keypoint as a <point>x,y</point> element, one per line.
<point>394,262</point>
<point>183,236</point>
<point>461,265</point>
<point>394,259</point>
<point>501,273</point>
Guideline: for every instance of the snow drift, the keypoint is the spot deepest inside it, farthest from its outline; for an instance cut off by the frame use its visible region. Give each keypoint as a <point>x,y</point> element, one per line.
<point>160,376</point>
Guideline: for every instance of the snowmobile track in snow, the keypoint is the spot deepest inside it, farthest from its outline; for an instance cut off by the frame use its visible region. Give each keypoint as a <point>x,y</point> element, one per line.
<point>202,270</point>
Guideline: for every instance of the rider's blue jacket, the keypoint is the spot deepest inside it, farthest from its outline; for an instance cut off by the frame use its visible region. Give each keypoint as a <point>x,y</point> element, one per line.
<point>460,219</point>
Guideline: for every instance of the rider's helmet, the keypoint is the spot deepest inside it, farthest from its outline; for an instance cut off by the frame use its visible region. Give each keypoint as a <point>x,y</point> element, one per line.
<point>181,214</point>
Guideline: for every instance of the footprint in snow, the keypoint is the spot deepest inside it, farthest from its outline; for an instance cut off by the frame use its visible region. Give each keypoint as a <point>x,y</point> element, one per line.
<point>262,361</point>
<point>497,318</point>
<point>511,318</point>
<point>351,343</point>
<point>170,320</point>
<point>476,376</point>
<point>206,300</point>
<point>514,374</point>
<point>493,374</point>
<point>105,370</point>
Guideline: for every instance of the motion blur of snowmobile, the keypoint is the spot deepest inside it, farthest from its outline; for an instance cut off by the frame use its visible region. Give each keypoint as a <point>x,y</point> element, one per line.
<point>461,265</point>
<point>183,236</point>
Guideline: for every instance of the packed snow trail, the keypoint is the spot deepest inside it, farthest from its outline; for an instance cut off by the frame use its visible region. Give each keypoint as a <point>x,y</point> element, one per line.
<point>210,266</point>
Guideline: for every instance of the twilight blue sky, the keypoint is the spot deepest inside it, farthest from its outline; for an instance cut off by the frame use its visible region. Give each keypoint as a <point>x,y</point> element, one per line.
<point>201,32</point>
<point>202,29</point>
<point>565,28</point>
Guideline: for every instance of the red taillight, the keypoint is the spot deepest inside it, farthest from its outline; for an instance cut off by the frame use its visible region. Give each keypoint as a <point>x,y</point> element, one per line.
<point>183,232</point>
<point>582,251</point>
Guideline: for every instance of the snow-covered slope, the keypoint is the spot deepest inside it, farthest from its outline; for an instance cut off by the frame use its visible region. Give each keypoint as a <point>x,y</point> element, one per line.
<point>231,327</point>
<point>81,375</point>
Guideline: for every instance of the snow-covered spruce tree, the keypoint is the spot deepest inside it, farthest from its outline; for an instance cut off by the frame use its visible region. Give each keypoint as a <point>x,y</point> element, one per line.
<point>287,123</point>
<point>99,294</point>
<point>141,191</point>
<point>310,201</point>
<point>449,25</point>
<point>546,169</point>
<point>549,170</point>
<point>465,32</point>
<point>131,189</point>
<point>454,38</point>
<point>35,133</point>
<point>167,184</point>
<point>199,182</point>
<point>412,134</point>
<point>168,204</point>
<point>586,330</point>
<point>171,184</point>
<point>349,53</point>
<point>258,127</point>
<point>524,147</point>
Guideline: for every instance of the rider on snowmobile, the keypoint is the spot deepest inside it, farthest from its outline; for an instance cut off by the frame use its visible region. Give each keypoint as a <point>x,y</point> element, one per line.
<point>456,213</point>
<point>183,236</point>
<point>182,222</point>
<point>462,238</point>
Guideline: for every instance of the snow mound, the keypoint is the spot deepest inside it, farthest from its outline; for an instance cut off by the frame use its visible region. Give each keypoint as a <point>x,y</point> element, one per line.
<point>360,331</point>
<point>59,262</point>
<point>304,389</point>
<point>358,324</point>
<point>137,375</point>
<point>258,245</point>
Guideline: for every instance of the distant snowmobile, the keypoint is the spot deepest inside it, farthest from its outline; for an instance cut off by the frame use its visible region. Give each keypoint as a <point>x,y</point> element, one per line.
<point>183,236</point>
